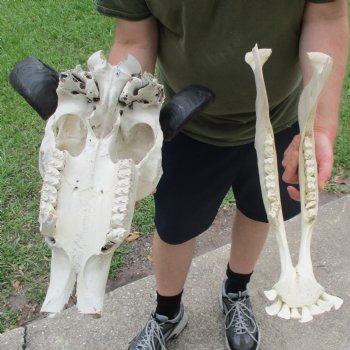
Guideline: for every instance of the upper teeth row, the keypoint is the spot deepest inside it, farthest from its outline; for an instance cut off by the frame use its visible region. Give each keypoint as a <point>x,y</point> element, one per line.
<point>48,199</point>
<point>270,177</point>
<point>310,175</point>
<point>121,204</point>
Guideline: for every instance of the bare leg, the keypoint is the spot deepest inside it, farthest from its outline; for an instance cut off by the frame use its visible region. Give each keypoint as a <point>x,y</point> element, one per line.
<point>171,264</point>
<point>248,238</point>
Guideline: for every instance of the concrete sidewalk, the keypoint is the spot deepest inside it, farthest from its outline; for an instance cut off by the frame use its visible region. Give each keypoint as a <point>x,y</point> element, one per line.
<point>127,308</point>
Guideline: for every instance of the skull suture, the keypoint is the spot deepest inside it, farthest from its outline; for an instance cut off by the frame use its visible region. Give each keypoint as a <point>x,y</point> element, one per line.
<point>101,152</point>
<point>297,294</point>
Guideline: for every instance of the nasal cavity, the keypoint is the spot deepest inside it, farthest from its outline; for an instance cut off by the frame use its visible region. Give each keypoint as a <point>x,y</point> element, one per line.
<point>70,133</point>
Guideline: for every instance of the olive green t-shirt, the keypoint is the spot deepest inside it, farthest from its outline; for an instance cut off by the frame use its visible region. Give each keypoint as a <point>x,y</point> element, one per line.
<point>204,42</point>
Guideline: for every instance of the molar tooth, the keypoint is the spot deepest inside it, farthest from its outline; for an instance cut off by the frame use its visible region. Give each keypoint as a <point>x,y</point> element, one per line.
<point>310,171</point>
<point>124,173</point>
<point>50,170</point>
<point>311,214</point>
<point>268,166</point>
<point>310,204</point>
<point>49,189</point>
<point>311,179</point>
<point>307,142</point>
<point>308,154</point>
<point>119,209</point>
<point>49,198</point>
<point>59,155</point>
<point>310,186</point>
<point>271,196</point>
<point>117,220</point>
<point>275,205</point>
<point>123,182</point>
<point>47,218</point>
<point>121,200</point>
<point>272,213</point>
<point>311,196</point>
<point>270,185</point>
<point>56,163</point>
<point>268,151</point>
<point>47,207</point>
<point>124,164</point>
<point>51,181</point>
<point>120,191</point>
<point>268,141</point>
<point>117,235</point>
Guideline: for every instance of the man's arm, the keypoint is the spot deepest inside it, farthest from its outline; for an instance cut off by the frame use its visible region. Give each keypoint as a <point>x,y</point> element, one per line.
<point>139,39</point>
<point>325,29</point>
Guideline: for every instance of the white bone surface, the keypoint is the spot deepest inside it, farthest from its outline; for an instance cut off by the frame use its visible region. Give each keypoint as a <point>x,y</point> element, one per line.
<point>297,294</point>
<point>101,152</point>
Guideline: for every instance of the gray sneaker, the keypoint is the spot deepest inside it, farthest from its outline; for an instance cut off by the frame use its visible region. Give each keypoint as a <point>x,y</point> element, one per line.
<point>158,330</point>
<point>242,331</point>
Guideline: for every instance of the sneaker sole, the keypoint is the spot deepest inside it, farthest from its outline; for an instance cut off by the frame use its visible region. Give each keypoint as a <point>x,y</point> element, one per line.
<point>179,328</point>
<point>226,340</point>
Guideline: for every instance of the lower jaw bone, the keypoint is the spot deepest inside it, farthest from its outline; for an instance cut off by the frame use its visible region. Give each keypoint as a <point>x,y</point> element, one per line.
<point>297,294</point>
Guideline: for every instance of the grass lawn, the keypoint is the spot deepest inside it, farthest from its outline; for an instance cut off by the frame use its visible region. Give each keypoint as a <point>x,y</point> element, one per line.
<point>62,34</point>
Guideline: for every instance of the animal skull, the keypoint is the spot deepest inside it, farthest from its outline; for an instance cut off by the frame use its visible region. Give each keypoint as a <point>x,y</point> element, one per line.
<point>297,294</point>
<point>101,152</point>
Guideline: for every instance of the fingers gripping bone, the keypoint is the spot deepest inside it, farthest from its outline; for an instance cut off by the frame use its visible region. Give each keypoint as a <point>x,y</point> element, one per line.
<point>297,294</point>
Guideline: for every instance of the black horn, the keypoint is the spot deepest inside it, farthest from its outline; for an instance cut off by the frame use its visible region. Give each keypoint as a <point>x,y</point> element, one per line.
<point>37,83</point>
<point>182,108</point>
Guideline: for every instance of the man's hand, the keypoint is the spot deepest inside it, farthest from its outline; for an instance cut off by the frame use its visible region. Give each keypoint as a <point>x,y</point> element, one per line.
<point>324,158</point>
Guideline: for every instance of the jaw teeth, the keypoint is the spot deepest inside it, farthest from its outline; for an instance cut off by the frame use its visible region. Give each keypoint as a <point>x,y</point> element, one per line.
<point>120,208</point>
<point>116,235</point>
<point>270,179</point>
<point>310,176</point>
<point>121,200</point>
<point>48,200</point>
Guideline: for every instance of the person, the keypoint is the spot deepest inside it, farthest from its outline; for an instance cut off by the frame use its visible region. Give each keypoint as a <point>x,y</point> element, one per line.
<point>196,42</point>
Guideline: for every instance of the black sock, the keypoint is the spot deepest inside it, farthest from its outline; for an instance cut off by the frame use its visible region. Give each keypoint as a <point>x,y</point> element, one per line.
<point>236,282</point>
<point>168,306</point>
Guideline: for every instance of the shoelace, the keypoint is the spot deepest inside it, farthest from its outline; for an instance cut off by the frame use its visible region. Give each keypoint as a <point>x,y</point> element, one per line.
<point>153,333</point>
<point>241,317</point>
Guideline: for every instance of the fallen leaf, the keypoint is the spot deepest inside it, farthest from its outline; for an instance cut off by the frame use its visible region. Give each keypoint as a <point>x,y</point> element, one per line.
<point>15,284</point>
<point>149,258</point>
<point>339,180</point>
<point>46,258</point>
<point>133,236</point>
<point>137,205</point>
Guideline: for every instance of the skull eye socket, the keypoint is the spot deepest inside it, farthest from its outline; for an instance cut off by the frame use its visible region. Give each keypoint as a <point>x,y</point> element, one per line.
<point>70,134</point>
<point>133,143</point>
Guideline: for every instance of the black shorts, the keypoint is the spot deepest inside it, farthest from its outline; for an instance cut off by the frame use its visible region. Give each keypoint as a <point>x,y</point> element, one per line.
<point>197,177</point>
